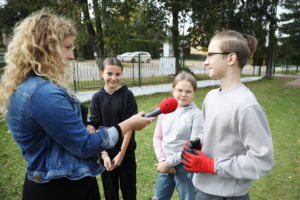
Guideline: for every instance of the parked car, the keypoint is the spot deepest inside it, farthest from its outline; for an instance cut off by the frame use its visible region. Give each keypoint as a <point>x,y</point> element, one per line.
<point>122,56</point>
<point>134,57</point>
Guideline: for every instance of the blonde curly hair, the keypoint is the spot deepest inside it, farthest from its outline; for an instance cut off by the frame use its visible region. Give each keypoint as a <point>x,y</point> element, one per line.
<point>36,49</point>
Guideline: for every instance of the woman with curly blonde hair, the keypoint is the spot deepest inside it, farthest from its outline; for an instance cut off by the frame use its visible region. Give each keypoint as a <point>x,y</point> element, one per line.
<point>44,117</point>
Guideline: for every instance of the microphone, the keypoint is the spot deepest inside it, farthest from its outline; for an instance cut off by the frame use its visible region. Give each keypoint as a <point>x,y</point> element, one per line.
<point>168,105</point>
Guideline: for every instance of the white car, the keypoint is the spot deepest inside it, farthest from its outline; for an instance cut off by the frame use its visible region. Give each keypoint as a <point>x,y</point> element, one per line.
<point>134,57</point>
<point>122,56</point>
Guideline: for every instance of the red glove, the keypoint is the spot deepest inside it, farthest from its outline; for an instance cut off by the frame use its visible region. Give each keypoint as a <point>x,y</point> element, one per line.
<point>197,161</point>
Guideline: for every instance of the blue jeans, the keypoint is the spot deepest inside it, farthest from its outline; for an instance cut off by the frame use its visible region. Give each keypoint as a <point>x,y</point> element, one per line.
<point>166,183</point>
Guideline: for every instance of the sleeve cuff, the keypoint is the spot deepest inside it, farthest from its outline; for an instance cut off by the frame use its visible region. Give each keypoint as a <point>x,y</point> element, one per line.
<point>109,137</point>
<point>119,130</point>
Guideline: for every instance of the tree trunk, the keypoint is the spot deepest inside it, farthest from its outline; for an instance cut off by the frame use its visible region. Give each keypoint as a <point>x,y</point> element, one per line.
<point>175,35</point>
<point>96,39</point>
<point>1,39</point>
<point>99,29</point>
<point>272,38</point>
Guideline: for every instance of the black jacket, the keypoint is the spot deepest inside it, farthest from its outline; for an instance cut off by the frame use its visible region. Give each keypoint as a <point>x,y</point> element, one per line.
<point>108,110</point>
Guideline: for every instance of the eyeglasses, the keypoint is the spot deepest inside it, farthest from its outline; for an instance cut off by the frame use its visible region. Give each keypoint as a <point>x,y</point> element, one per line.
<point>186,92</point>
<point>209,54</point>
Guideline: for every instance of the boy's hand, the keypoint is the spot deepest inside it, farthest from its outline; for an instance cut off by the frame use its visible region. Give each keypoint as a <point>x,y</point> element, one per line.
<point>193,144</point>
<point>186,145</point>
<point>197,161</point>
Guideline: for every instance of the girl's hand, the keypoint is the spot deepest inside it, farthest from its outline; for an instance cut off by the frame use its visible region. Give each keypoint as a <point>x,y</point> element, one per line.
<point>91,129</point>
<point>117,161</point>
<point>171,170</point>
<point>106,161</point>
<point>163,167</point>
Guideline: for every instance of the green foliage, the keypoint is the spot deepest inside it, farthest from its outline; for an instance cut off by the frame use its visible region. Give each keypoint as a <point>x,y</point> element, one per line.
<point>131,20</point>
<point>150,22</point>
<point>280,103</point>
<point>289,29</point>
<point>14,11</point>
<point>87,51</point>
<point>194,57</point>
<point>248,17</point>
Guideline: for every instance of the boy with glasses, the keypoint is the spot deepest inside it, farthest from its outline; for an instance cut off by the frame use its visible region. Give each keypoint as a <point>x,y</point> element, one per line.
<point>237,143</point>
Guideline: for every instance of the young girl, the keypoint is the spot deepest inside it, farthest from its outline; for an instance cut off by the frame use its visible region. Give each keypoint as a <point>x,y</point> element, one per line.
<point>111,105</point>
<point>171,132</point>
<point>237,144</point>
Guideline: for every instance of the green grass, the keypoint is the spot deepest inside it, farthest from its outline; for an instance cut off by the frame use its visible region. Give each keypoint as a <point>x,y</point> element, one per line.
<point>281,104</point>
<point>284,71</point>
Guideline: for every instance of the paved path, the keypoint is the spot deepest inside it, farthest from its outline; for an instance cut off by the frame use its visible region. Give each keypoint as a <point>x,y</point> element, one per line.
<point>294,83</point>
<point>152,89</point>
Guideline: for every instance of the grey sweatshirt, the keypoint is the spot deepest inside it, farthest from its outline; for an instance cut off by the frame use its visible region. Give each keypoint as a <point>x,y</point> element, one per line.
<point>237,135</point>
<point>173,130</point>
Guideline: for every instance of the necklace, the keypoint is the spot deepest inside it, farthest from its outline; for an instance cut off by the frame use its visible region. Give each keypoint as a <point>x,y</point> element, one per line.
<point>111,91</point>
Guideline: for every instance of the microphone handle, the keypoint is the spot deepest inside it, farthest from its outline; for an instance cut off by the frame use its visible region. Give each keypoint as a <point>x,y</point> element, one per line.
<point>153,113</point>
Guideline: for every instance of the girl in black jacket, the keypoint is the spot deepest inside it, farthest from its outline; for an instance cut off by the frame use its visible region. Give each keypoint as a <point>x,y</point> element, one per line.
<point>112,104</point>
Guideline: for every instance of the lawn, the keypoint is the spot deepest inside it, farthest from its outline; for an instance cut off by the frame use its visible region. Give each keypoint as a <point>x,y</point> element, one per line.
<point>282,105</point>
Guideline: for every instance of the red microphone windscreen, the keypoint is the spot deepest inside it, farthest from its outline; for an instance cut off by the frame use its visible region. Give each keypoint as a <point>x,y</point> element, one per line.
<point>168,105</point>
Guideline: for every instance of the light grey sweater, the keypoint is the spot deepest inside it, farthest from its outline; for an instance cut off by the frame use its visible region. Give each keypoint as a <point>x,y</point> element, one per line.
<point>237,135</point>
<point>173,130</point>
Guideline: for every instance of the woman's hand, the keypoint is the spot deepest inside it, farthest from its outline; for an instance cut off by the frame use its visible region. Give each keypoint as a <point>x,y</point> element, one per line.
<point>91,129</point>
<point>136,122</point>
<point>139,122</point>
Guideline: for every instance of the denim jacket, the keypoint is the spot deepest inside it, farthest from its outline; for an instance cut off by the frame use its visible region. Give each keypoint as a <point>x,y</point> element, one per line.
<point>46,124</point>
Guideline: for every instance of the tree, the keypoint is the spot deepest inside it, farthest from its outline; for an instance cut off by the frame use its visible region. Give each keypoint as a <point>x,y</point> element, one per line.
<point>150,21</point>
<point>14,11</point>
<point>95,34</point>
<point>289,30</point>
<point>79,12</point>
<point>118,24</point>
<point>206,20</point>
<point>1,26</point>
<point>271,18</point>
<point>178,10</point>
<point>248,17</point>
<point>132,19</point>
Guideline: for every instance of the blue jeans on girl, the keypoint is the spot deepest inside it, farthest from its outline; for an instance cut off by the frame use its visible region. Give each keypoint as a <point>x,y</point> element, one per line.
<point>166,183</point>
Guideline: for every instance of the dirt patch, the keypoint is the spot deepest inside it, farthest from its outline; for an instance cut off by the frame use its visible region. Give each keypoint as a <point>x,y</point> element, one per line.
<point>294,83</point>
